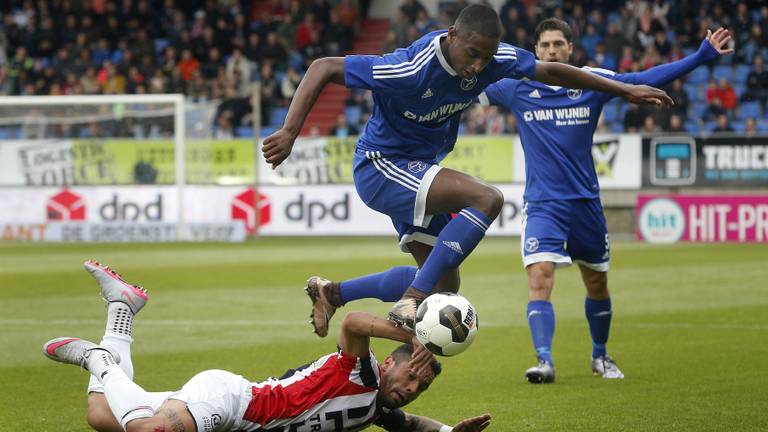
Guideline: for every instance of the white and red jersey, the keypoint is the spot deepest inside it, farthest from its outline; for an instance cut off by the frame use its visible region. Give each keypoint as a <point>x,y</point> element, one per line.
<point>335,393</point>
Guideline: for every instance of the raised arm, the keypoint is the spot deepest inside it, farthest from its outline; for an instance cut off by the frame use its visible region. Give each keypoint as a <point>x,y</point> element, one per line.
<point>555,73</point>
<point>713,46</point>
<point>277,146</point>
<point>358,328</point>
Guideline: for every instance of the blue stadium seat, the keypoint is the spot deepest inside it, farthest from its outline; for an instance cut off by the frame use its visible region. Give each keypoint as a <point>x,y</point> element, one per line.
<point>617,127</point>
<point>697,109</point>
<point>710,126</point>
<point>244,132</point>
<point>611,112</point>
<point>692,90</point>
<point>721,72</point>
<point>741,73</point>
<point>700,75</point>
<point>739,89</point>
<point>762,125</point>
<point>353,114</point>
<point>277,116</point>
<point>691,126</point>
<point>462,129</point>
<point>749,109</point>
<point>268,130</point>
<point>739,126</point>
<point>5,133</point>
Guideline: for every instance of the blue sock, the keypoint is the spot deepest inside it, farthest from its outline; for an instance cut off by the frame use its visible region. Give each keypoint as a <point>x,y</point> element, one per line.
<point>599,316</point>
<point>541,321</point>
<point>387,286</point>
<point>454,243</point>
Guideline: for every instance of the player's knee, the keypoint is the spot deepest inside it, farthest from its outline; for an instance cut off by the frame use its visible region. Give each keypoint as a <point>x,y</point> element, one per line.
<point>99,416</point>
<point>489,200</point>
<point>145,425</point>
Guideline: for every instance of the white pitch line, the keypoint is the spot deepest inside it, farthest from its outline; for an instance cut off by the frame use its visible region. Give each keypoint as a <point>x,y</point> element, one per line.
<point>300,323</point>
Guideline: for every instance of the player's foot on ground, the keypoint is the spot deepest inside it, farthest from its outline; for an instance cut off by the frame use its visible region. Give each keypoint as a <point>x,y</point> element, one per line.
<point>74,351</point>
<point>542,373</point>
<point>320,292</point>
<point>115,289</point>
<point>403,313</point>
<point>606,367</point>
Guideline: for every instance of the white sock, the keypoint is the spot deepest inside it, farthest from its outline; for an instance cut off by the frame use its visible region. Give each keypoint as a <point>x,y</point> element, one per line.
<point>127,400</point>
<point>117,336</point>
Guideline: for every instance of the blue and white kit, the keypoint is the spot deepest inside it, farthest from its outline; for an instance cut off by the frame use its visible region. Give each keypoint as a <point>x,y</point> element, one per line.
<point>418,98</point>
<point>556,127</point>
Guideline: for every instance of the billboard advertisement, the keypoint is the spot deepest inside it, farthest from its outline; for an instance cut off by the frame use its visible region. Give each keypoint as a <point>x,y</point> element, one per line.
<point>615,157</point>
<point>220,213</point>
<point>94,162</point>
<point>329,161</point>
<point>702,218</point>
<point>705,161</point>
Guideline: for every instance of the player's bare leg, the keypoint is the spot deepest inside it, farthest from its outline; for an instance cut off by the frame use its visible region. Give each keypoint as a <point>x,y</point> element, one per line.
<point>541,281</point>
<point>477,204</point>
<point>598,310</point>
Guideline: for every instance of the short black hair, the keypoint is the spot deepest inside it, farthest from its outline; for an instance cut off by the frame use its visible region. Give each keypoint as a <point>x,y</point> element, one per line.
<point>554,24</point>
<point>481,19</point>
<point>404,353</point>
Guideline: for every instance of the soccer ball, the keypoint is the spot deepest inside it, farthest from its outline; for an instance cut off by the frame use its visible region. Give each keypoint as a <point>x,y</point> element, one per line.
<point>446,323</point>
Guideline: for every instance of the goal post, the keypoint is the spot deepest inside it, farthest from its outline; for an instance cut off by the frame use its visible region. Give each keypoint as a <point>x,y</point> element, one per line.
<point>70,117</point>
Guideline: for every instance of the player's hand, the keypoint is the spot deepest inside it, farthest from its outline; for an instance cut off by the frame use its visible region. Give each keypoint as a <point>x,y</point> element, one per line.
<point>421,359</point>
<point>474,424</point>
<point>719,39</point>
<point>647,95</point>
<point>277,147</point>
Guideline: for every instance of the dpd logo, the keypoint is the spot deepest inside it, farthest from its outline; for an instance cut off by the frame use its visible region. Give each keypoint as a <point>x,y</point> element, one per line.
<point>313,211</point>
<point>661,220</point>
<point>244,208</point>
<point>65,206</point>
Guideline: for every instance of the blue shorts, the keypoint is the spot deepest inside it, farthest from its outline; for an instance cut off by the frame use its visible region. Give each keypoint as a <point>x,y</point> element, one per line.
<point>561,231</point>
<point>398,187</point>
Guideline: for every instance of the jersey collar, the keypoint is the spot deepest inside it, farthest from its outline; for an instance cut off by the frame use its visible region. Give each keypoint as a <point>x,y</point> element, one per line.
<point>440,56</point>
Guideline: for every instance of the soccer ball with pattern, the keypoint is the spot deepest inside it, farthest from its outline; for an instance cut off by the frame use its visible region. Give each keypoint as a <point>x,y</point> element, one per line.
<point>446,323</point>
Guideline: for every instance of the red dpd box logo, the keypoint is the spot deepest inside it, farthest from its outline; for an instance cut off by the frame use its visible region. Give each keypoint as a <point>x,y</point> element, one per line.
<point>64,206</point>
<point>244,208</point>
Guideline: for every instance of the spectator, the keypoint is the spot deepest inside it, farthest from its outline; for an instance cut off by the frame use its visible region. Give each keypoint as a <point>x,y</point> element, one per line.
<point>750,126</point>
<point>675,124</point>
<point>757,83</point>
<point>273,51</point>
<point>424,24</point>
<point>633,119</point>
<point>342,128</point>
<point>252,48</point>
<point>188,65</point>
<point>287,32</point>
<point>678,94</point>
<point>313,50</point>
<point>290,83</point>
<point>410,9</point>
<point>270,91</point>
<point>649,126</point>
<point>723,124</point>
<point>305,30</point>
<point>237,62</point>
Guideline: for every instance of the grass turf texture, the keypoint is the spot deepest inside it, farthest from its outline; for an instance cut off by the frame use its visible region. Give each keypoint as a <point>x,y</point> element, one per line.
<point>690,330</point>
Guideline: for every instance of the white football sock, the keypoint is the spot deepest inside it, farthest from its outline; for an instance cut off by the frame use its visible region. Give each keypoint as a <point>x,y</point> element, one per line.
<point>127,400</point>
<point>117,336</point>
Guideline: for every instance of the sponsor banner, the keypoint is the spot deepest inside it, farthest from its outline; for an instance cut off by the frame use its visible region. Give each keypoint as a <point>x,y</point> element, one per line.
<point>337,210</point>
<point>692,218</point>
<point>615,156</point>
<point>149,213</point>
<point>124,162</point>
<point>722,161</point>
<point>329,161</point>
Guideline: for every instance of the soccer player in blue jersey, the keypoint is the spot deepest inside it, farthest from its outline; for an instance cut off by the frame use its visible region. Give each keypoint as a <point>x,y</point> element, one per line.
<point>418,94</point>
<point>563,218</point>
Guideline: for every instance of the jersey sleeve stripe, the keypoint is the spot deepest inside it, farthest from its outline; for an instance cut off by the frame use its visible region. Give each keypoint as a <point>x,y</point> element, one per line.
<point>416,58</point>
<point>504,57</point>
<point>483,99</point>
<point>418,67</point>
<point>594,69</point>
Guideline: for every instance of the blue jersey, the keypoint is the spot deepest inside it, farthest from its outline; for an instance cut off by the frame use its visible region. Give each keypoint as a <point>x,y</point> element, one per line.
<point>556,126</point>
<point>418,97</point>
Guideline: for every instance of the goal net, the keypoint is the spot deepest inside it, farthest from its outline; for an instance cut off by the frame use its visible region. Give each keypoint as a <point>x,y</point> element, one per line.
<point>115,167</point>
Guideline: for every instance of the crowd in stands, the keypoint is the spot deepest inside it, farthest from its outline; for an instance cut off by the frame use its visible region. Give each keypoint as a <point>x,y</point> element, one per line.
<point>215,50</point>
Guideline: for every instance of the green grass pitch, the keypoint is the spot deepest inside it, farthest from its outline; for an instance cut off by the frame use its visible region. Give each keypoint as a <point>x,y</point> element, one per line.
<point>690,330</point>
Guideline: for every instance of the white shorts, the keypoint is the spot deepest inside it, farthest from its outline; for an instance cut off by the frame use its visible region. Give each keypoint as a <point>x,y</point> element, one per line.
<point>217,400</point>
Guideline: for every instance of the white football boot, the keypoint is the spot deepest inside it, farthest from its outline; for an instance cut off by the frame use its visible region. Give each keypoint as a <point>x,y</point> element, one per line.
<point>75,351</point>
<point>542,373</point>
<point>606,367</point>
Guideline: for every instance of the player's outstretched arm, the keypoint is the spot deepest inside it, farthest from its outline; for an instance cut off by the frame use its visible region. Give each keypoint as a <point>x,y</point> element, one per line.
<point>712,47</point>
<point>358,328</point>
<point>414,423</point>
<point>560,74</point>
<point>278,146</point>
